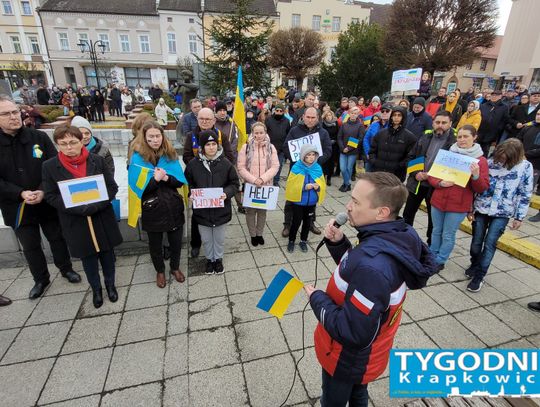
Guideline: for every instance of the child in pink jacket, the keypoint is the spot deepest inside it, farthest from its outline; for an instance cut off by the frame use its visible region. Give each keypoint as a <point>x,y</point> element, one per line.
<point>257,164</point>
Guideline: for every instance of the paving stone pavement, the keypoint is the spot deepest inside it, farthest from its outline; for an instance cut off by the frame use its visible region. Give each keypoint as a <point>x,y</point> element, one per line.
<point>204,343</point>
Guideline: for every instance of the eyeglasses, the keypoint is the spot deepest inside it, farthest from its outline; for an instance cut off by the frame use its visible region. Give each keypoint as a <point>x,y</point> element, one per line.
<point>73,143</point>
<point>11,113</point>
<point>278,110</point>
<point>385,111</point>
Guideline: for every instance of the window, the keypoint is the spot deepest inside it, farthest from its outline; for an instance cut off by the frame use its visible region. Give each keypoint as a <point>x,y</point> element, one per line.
<point>7,8</point>
<point>169,19</point>
<point>104,38</point>
<point>144,43</point>
<point>193,43</point>
<point>192,21</point>
<point>34,44</point>
<point>468,66</point>
<point>16,44</point>
<point>316,23</point>
<point>83,39</point>
<point>171,43</point>
<point>90,75</point>
<point>64,42</point>
<point>134,76</point>
<point>355,20</point>
<point>483,64</point>
<point>124,43</point>
<point>295,20</point>
<point>26,8</point>
<point>336,24</point>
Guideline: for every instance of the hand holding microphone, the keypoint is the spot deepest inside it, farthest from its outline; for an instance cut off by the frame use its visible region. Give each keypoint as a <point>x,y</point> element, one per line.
<point>332,232</point>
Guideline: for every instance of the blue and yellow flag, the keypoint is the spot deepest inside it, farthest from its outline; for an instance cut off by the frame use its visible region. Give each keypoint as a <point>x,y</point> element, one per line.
<point>352,142</point>
<point>239,114</point>
<point>295,181</point>
<point>20,213</point>
<point>139,174</point>
<point>416,165</point>
<point>367,120</point>
<point>279,295</point>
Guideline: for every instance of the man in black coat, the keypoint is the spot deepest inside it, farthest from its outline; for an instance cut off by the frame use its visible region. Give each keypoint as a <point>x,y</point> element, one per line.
<point>42,95</point>
<point>524,114</point>
<point>530,137</point>
<point>309,125</point>
<point>22,153</point>
<point>278,127</point>
<point>495,117</point>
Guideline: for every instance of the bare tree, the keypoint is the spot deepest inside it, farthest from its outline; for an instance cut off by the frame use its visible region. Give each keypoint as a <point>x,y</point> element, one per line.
<point>295,51</point>
<point>439,34</point>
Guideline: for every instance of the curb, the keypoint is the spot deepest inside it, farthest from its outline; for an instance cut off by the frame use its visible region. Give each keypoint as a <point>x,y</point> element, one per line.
<point>535,201</point>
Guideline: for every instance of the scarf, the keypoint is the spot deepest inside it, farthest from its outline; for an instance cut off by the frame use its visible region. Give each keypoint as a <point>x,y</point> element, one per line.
<point>75,165</point>
<point>206,161</point>
<point>267,151</point>
<point>90,146</point>
<point>314,171</point>
<point>475,151</point>
<point>449,107</point>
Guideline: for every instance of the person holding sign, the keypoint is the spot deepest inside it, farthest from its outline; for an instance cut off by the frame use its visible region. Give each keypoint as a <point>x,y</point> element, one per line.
<point>257,164</point>
<point>450,203</point>
<point>91,230</point>
<point>212,170</point>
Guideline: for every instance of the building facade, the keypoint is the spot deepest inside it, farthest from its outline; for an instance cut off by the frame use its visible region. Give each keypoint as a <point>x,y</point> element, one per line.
<point>519,59</point>
<point>23,52</point>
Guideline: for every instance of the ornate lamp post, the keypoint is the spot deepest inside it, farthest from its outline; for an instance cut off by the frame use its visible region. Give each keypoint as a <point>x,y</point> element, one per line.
<point>93,48</point>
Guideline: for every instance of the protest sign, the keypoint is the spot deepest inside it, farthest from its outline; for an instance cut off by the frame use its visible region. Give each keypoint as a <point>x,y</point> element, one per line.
<point>264,197</point>
<point>450,166</point>
<point>83,191</point>
<point>207,198</point>
<point>295,145</point>
<point>406,80</point>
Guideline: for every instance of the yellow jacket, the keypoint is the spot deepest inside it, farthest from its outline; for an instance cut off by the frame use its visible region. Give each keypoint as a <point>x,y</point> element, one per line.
<point>473,118</point>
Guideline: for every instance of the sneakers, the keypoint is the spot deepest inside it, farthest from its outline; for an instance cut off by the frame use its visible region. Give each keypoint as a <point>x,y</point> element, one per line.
<point>342,188</point>
<point>314,229</point>
<point>475,285</point>
<point>535,218</point>
<point>218,266</point>
<point>534,306</point>
<point>209,267</point>
<point>303,246</point>
<point>469,273</point>
<point>290,247</point>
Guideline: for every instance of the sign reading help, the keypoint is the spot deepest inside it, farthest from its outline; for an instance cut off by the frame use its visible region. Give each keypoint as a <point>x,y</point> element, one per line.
<point>295,145</point>
<point>207,198</point>
<point>449,166</point>
<point>264,197</point>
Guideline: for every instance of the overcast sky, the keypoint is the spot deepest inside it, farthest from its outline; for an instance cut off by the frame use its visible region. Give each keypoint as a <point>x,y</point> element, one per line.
<point>504,12</point>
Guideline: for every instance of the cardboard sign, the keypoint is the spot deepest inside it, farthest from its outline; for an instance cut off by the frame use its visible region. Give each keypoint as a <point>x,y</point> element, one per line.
<point>295,145</point>
<point>207,198</point>
<point>264,197</point>
<point>449,166</point>
<point>83,191</point>
<point>406,80</point>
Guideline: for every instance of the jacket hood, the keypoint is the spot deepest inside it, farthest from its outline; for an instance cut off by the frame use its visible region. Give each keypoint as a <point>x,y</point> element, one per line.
<point>403,112</point>
<point>400,241</point>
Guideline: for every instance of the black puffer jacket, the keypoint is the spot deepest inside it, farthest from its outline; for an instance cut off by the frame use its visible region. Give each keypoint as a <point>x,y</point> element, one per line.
<point>390,147</point>
<point>222,174</point>
<point>277,130</point>
<point>162,206</point>
<point>495,117</point>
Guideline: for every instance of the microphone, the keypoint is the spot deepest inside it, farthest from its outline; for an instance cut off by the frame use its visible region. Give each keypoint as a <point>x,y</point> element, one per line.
<point>341,219</point>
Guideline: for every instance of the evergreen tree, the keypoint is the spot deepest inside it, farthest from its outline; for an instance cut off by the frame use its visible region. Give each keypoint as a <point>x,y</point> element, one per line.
<point>357,67</point>
<point>238,38</point>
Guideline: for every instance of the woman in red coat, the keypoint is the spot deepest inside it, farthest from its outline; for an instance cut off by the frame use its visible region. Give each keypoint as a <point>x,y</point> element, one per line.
<point>450,203</point>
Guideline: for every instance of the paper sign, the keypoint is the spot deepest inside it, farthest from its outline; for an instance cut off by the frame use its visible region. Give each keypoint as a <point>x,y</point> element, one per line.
<point>450,166</point>
<point>83,191</point>
<point>207,198</point>
<point>295,145</point>
<point>406,80</point>
<point>264,197</point>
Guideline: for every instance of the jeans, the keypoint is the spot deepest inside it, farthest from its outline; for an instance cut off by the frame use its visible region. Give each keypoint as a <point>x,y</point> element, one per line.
<point>346,164</point>
<point>91,269</point>
<point>412,205</point>
<point>336,393</point>
<point>443,237</point>
<point>301,216</point>
<point>486,231</point>
<point>281,159</point>
<point>155,242</point>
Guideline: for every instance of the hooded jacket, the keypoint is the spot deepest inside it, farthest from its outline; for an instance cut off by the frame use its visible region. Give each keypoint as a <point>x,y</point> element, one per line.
<point>360,312</point>
<point>473,118</point>
<point>417,124</point>
<point>258,167</point>
<point>350,130</point>
<point>390,147</point>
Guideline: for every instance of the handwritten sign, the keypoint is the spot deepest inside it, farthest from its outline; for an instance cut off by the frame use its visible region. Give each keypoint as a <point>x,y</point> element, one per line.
<point>83,191</point>
<point>264,197</point>
<point>450,166</point>
<point>406,80</point>
<point>295,145</point>
<point>207,198</point>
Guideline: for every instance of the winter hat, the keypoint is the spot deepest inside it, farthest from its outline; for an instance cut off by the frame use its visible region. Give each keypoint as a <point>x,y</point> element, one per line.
<point>205,136</point>
<point>420,101</point>
<point>79,121</point>
<point>376,99</point>
<point>221,105</point>
<point>378,114</point>
<point>280,106</point>
<point>307,148</point>
<point>387,106</point>
<point>476,104</point>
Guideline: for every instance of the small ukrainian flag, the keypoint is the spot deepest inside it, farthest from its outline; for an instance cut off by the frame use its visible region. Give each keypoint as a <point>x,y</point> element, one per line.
<point>352,142</point>
<point>279,295</point>
<point>416,165</point>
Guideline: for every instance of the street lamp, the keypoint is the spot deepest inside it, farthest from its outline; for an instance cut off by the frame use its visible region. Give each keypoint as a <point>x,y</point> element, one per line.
<point>90,47</point>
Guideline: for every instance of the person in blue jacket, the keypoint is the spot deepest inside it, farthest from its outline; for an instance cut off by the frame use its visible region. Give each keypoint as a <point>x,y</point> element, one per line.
<point>418,121</point>
<point>373,129</point>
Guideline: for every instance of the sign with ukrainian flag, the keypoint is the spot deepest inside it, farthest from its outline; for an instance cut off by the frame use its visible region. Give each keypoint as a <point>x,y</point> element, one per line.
<point>83,191</point>
<point>406,80</point>
<point>264,197</point>
<point>449,166</point>
<point>279,295</point>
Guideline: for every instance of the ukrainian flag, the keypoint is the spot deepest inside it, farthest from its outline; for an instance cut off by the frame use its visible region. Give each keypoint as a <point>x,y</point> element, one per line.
<point>416,165</point>
<point>295,182</point>
<point>367,120</point>
<point>352,142</point>
<point>239,114</point>
<point>343,118</point>
<point>278,296</point>
<point>140,173</point>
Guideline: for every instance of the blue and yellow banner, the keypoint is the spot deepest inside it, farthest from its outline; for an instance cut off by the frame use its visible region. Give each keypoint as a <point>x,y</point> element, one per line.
<point>279,295</point>
<point>416,165</point>
<point>239,114</point>
<point>295,181</point>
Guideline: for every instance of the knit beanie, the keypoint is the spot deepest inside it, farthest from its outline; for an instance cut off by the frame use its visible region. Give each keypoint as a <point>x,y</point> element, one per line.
<point>420,101</point>
<point>220,105</point>
<point>376,99</point>
<point>79,121</point>
<point>205,136</point>
<point>307,148</point>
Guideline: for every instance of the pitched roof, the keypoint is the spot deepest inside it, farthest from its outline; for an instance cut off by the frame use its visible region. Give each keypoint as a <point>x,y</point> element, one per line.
<point>493,52</point>
<point>257,7</point>
<point>379,12</point>
<point>132,7</point>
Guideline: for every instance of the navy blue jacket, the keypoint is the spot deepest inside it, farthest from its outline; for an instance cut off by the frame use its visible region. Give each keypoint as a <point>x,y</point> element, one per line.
<point>418,124</point>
